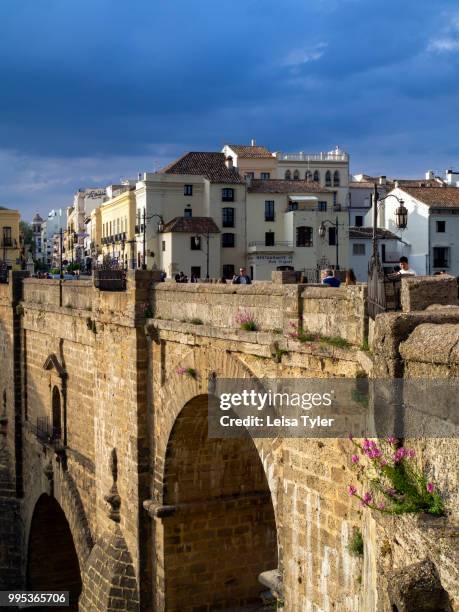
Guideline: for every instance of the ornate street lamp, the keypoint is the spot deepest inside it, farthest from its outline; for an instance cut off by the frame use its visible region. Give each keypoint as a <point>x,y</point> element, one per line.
<point>376,277</point>
<point>160,229</point>
<point>197,242</point>
<point>322,233</point>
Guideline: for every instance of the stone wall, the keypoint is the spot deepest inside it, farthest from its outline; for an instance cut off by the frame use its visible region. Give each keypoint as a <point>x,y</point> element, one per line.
<point>419,292</point>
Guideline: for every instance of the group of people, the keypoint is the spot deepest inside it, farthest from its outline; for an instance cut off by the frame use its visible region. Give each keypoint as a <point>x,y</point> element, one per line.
<point>403,269</point>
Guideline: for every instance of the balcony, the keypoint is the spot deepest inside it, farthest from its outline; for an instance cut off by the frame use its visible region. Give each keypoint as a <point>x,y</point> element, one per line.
<point>278,247</point>
<point>46,432</point>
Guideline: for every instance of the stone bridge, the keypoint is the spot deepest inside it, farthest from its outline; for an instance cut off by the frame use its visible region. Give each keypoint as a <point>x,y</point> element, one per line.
<point>111,489</point>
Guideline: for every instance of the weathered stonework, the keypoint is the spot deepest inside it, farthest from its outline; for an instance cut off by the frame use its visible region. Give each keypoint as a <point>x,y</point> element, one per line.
<point>158,515</point>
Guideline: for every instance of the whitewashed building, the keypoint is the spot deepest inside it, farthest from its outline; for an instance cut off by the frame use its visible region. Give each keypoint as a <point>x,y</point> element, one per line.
<point>390,247</point>
<point>433,226</point>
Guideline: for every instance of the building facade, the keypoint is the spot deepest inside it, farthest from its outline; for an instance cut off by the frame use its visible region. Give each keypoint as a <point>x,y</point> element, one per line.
<point>10,238</point>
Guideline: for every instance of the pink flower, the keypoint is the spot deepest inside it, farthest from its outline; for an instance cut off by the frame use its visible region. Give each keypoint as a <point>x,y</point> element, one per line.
<point>355,458</point>
<point>383,462</point>
<point>400,454</point>
<point>411,453</point>
<point>366,444</point>
<point>367,499</point>
<point>392,440</point>
<point>430,487</point>
<point>381,505</point>
<point>351,490</point>
<point>181,370</point>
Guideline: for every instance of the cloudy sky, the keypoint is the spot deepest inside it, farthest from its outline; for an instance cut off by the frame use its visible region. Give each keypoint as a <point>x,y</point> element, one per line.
<point>92,91</point>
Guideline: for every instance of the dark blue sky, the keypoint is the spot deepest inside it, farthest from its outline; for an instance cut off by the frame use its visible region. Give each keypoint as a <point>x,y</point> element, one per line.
<point>96,90</point>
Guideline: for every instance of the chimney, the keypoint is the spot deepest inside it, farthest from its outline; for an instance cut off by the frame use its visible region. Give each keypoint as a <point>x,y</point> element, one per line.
<point>253,142</point>
<point>382,180</point>
<point>229,162</point>
<point>429,175</point>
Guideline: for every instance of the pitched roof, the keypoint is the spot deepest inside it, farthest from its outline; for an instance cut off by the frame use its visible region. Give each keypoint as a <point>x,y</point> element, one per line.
<point>366,233</point>
<point>249,152</point>
<point>434,197</point>
<point>283,186</point>
<point>191,225</point>
<point>201,163</point>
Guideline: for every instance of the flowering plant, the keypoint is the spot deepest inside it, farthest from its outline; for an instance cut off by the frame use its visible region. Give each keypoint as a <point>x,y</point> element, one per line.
<point>298,333</point>
<point>245,321</point>
<point>191,372</point>
<point>396,484</point>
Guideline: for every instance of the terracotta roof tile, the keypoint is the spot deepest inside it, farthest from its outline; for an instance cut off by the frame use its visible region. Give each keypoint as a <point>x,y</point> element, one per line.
<point>191,225</point>
<point>434,197</point>
<point>366,233</point>
<point>283,186</point>
<point>249,152</point>
<point>208,164</point>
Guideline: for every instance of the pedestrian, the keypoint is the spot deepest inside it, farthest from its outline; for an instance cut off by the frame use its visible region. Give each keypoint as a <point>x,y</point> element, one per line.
<point>242,278</point>
<point>330,279</point>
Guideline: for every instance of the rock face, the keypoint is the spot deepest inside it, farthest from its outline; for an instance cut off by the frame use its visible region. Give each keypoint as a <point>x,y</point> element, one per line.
<point>103,416</point>
<point>417,588</point>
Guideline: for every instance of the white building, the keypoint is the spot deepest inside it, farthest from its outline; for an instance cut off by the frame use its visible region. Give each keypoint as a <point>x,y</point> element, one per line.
<point>390,248</point>
<point>36,228</point>
<point>55,221</point>
<point>283,221</point>
<point>198,184</point>
<point>433,226</point>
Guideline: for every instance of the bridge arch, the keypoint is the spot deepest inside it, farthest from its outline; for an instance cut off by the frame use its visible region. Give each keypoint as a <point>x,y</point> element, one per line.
<point>52,560</point>
<point>220,494</point>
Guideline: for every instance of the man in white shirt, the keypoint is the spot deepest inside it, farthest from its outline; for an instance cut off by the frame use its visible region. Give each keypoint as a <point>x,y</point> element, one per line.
<point>405,267</point>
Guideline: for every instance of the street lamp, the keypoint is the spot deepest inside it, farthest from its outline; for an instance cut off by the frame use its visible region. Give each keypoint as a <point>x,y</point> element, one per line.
<point>322,232</point>
<point>160,229</point>
<point>197,241</point>
<point>376,278</point>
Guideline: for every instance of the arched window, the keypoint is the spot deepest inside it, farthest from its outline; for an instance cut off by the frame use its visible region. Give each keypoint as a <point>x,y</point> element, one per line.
<point>316,176</point>
<point>56,408</point>
<point>288,175</point>
<point>308,176</point>
<point>304,236</point>
<point>336,179</point>
<point>296,175</point>
<point>328,179</point>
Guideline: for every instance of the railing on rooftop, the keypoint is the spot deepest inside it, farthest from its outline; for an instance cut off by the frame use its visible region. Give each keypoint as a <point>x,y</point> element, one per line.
<point>277,243</point>
<point>314,157</point>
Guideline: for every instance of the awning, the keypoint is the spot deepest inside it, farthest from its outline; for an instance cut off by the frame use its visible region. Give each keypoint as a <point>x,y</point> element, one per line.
<point>301,198</point>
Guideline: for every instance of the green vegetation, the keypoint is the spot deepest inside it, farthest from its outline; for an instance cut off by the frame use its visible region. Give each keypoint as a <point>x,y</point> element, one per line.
<point>355,545</point>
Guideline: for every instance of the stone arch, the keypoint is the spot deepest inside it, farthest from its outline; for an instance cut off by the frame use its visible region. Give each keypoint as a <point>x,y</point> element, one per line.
<point>52,560</point>
<point>204,486</point>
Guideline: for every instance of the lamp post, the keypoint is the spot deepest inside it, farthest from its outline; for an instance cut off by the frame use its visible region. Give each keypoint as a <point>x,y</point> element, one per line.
<point>322,232</point>
<point>160,229</point>
<point>376,279</point>
<point>401,216</point>
<point>197,240</point>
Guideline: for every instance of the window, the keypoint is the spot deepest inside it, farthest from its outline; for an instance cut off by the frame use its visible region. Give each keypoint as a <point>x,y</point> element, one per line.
<point>188,213</point>
<point>228,271</point>
<point>195,243</point>
<point>336,179</point>
<point>441,256</point>
<point>249,175</point>
<point>358,248</point>
<point>269,238</point>
<point>292,206</point>
<point>308,176</point>
<point>56,413</point>
<point>163,246</point>
<point>332,236</point>
<point>227,240</point>
<point>227,194</point>
<point>316,176</point>
<point>7,239</point>
<point>328,181</point>
<point>196,271</point>
<point>304,236</point>
<point>359,220</point>
<point>441,227</point>
<point>269,210</point>
<point>228,217</point>
<point>322,206</point>
<point>265,176</point>
<point>288,175</point>
<point>296,175</point>
<point>188,190</point>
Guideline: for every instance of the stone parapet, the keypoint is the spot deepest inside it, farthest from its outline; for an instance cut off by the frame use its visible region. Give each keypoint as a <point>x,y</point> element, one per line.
<point>419,292</point>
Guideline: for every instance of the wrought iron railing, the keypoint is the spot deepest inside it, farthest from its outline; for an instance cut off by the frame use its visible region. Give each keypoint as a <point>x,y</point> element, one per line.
<point>383,291</point>
<point>46,432</point>
<point>110,276</point>
<point>3,273</point>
